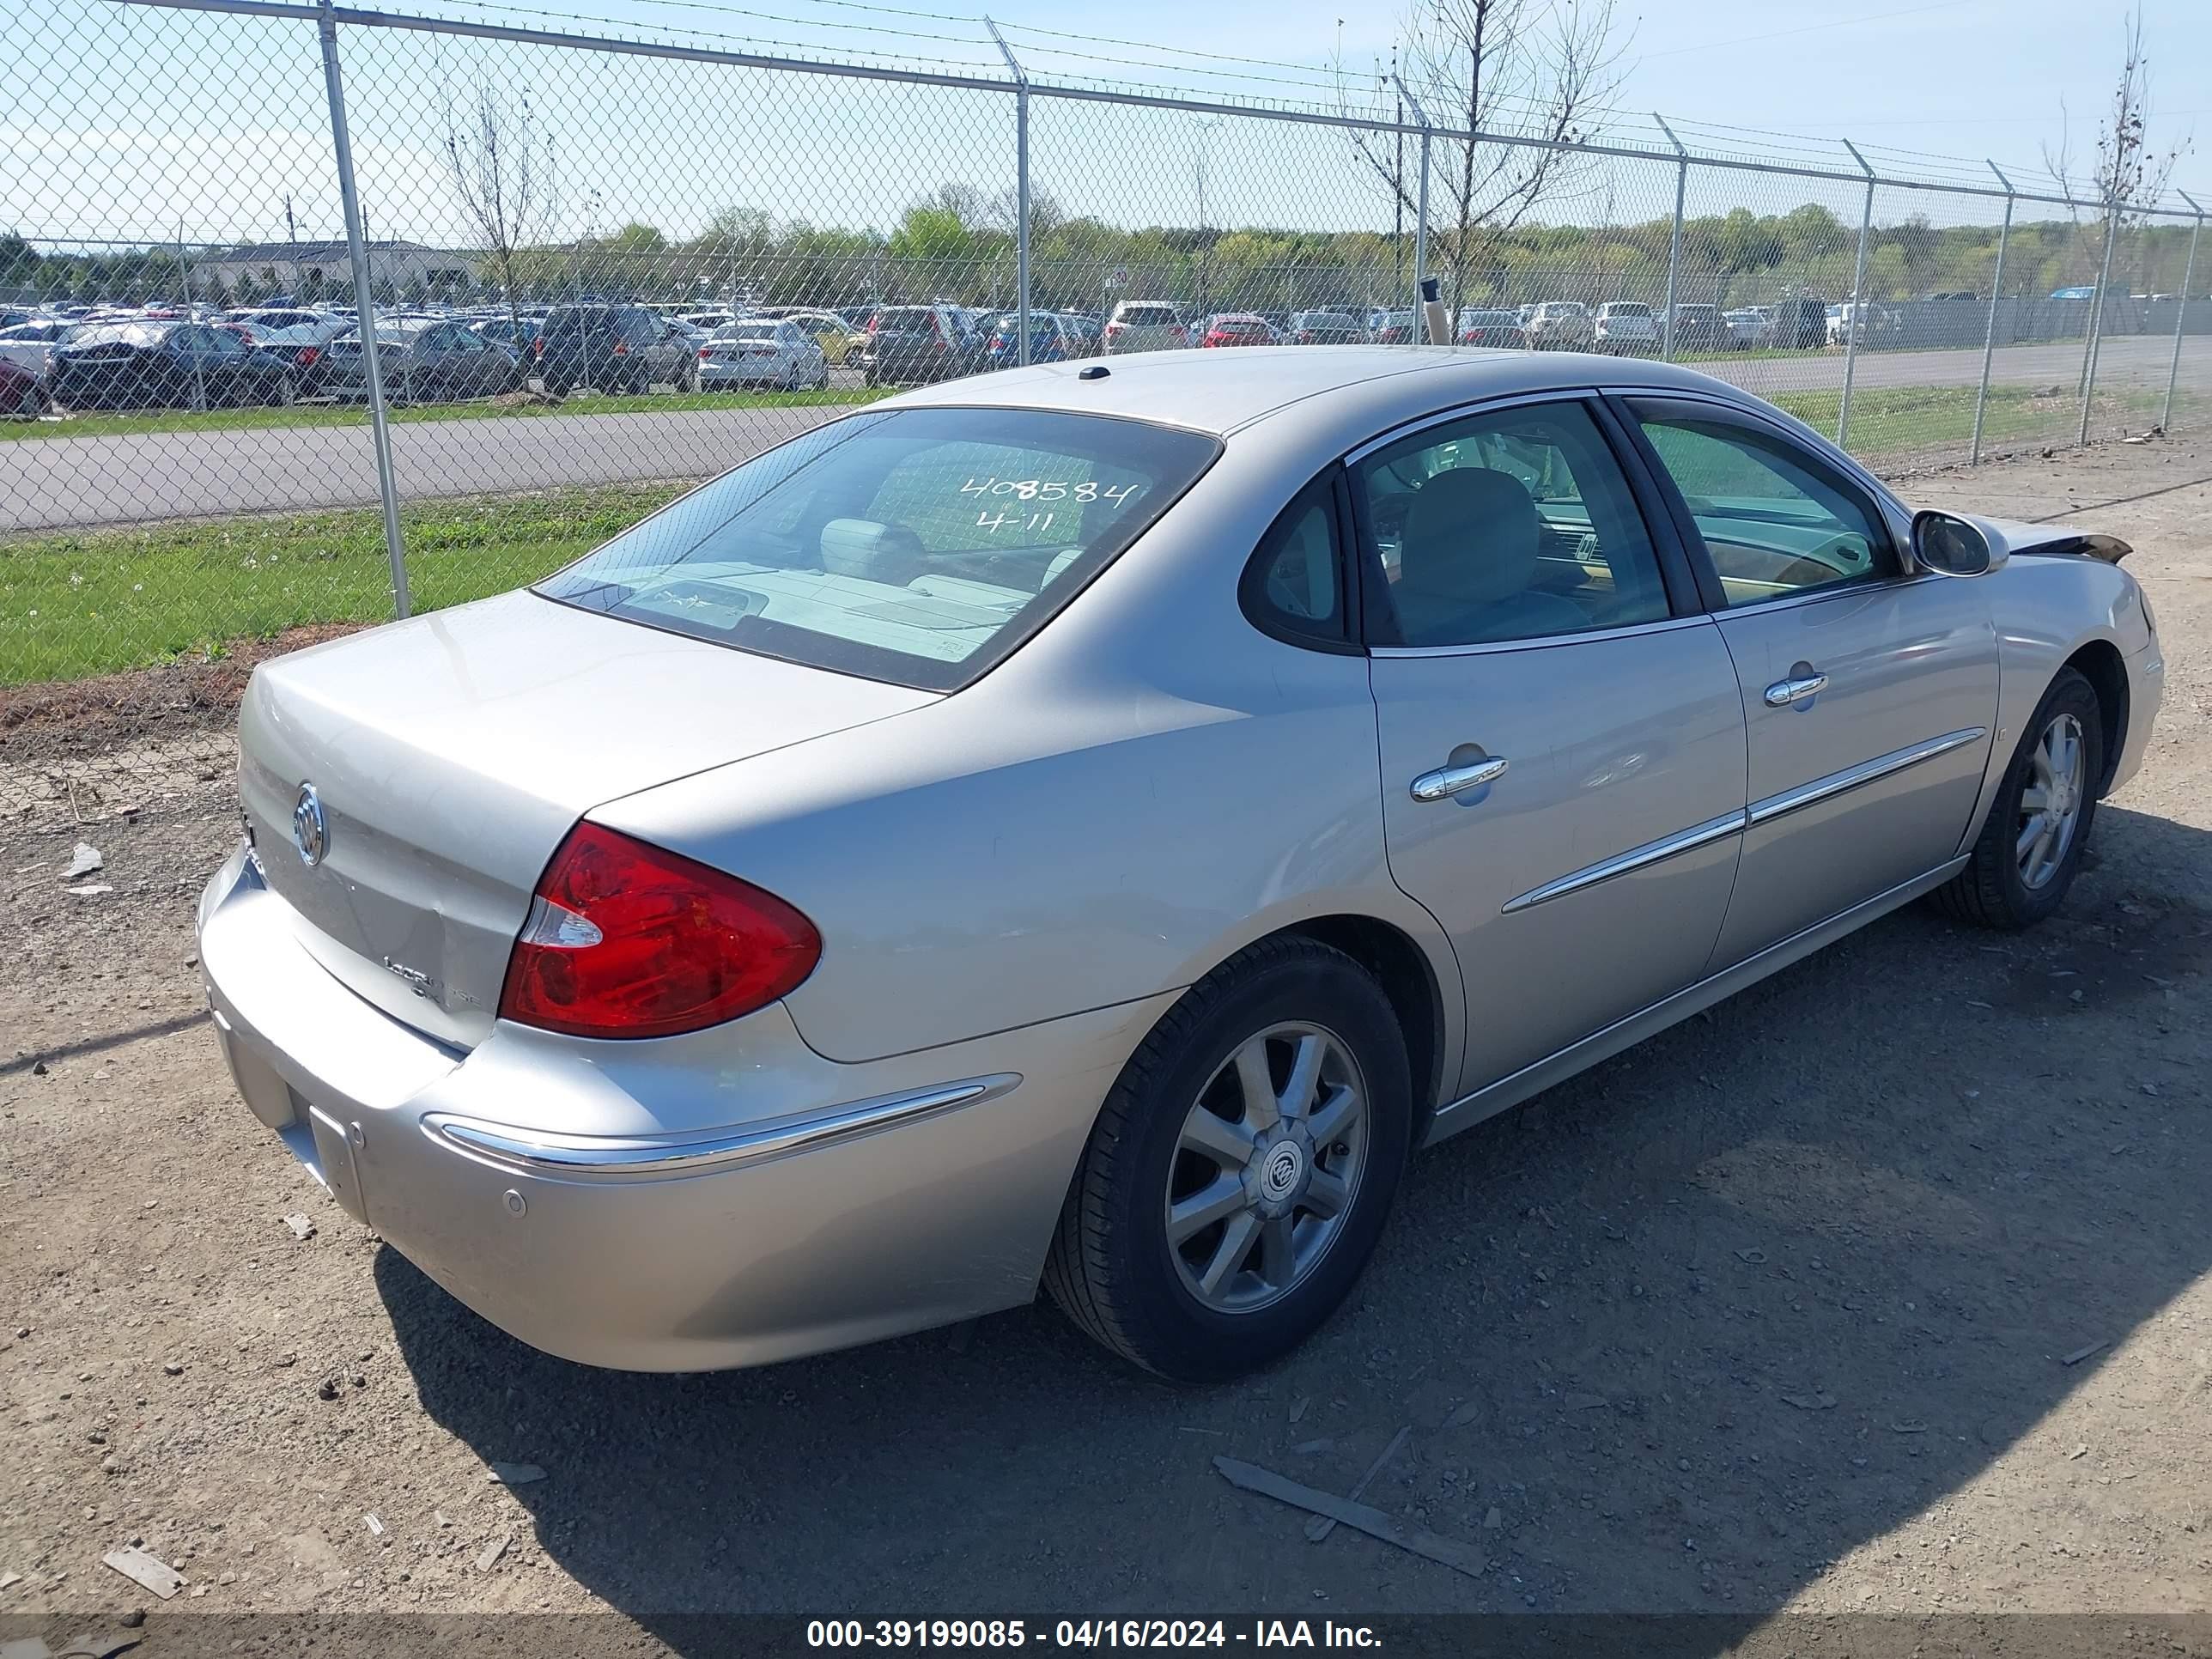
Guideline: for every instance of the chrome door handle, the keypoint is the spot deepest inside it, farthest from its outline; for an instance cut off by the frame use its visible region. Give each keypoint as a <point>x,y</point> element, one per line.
<point>1782,693</point>
<point>1449,781</point>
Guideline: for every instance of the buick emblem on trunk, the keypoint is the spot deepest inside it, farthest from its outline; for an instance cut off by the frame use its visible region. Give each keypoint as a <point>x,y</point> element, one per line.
<point>309,833</point>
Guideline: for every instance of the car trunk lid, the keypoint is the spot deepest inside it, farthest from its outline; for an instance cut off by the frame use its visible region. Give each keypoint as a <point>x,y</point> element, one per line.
<point>449,755</point>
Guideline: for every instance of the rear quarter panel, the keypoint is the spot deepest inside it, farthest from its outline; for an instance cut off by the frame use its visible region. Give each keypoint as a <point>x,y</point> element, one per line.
<point>1142,789</point>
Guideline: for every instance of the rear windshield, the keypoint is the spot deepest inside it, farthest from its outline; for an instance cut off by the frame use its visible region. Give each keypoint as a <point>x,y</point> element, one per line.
<point>919,546</point>
<point>1148,314</point>
<point>905,320</point>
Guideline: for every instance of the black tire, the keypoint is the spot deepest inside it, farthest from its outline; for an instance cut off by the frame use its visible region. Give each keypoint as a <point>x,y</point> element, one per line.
<point>1992,891</point>
<point>1111,1268</point>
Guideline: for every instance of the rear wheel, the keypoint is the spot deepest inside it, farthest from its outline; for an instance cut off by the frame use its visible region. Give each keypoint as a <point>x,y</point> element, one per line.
<point>1239,1173</point>
<point>2030,848</point>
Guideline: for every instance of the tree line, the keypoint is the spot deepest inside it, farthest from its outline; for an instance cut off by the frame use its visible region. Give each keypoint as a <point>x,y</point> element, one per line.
<point>959,246</point>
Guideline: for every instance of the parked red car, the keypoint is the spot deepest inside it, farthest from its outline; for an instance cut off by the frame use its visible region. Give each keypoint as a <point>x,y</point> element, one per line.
<point>1237,328</point>
<point>20,394</point>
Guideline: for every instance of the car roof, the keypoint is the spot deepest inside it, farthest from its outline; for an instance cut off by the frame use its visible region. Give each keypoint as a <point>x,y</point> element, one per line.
<point>1374,386</point>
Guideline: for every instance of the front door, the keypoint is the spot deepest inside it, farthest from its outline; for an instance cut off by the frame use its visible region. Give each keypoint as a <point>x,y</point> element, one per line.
<point>1563,753</point>
<point>1868,697</point>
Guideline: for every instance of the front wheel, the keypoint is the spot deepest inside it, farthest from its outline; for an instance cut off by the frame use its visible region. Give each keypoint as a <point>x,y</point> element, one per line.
<point>2030,848</point>
<point>1239,1173</point>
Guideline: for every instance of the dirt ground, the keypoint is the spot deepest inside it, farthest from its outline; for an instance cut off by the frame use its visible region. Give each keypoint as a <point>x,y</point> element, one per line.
<point>1881,1288</point>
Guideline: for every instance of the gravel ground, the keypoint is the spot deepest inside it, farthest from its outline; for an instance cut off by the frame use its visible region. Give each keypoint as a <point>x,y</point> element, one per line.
<point>1880,1288</point>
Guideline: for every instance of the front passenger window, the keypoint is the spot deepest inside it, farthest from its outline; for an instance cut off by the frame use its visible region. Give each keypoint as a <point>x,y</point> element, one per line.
<point>1775,520</point>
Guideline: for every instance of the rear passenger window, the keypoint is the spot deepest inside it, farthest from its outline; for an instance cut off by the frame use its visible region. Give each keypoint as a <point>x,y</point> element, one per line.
<point>1516,524</point>
<point>1294,586</point>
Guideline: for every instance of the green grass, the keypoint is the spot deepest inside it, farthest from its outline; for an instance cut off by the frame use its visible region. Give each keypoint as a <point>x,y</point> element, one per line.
<point>1903,422</point>
<point>99,425</point>
<point>92,602</point>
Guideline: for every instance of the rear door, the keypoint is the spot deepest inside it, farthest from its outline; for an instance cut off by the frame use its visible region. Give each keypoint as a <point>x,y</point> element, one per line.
<point>1869,697</point>
<point>1562,743</point>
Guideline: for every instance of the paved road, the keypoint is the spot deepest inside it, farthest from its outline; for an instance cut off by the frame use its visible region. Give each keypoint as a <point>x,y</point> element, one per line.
<point>70,482</point>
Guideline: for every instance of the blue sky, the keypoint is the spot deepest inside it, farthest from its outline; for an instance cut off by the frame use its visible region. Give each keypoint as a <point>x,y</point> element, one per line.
<point>123,122</point>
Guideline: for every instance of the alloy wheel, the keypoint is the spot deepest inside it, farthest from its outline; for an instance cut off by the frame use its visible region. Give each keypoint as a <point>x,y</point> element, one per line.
<point>2050,802</point>
<point>1267,1165</point>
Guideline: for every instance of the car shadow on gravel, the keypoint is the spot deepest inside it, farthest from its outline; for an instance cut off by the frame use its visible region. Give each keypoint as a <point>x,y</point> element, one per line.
<point>1675,1337</point>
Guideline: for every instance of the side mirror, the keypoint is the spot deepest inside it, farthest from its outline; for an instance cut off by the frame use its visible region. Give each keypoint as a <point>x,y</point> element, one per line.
<point>1950,546</point>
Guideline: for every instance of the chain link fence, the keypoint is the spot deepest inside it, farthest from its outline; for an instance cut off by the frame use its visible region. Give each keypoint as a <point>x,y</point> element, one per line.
<point>595,271</point>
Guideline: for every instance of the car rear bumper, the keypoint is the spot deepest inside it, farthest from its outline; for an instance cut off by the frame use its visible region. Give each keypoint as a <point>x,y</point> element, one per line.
<point>726,1198</point>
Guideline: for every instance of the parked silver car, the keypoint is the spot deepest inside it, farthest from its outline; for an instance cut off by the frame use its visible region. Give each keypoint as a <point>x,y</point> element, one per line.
<point>1146,325</point>
<point>1089,825</point>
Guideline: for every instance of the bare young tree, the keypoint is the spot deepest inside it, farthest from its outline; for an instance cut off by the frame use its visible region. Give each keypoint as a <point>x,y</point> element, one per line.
<point>2130,173</point>
<point>503,175</point>
<point>1521,69</point>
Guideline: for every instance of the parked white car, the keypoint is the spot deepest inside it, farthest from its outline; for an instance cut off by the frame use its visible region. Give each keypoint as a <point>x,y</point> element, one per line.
<point>777,353</point>
<point>30,346</point>
<point>1560,324</point>
<point>1146,325</point>
<point>1747,326</point>
<point>1625,325</point>
<point>1864,320</point>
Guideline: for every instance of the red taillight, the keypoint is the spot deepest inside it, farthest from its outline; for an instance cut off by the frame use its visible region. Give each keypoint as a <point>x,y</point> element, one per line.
<point>625,940</point>
<point>621,348</point>
<point>307,356</point>
<point>1115,328</point>
<point>872,325</point>
<point>538,347</point>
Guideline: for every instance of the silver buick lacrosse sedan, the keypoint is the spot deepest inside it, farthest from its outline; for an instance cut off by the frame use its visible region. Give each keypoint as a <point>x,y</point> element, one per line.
<point>1088,826</point>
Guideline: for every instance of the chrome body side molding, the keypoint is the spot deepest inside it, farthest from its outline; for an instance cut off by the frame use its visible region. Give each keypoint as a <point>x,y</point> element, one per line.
<point>1866,772</point>
<point>1636,858</point>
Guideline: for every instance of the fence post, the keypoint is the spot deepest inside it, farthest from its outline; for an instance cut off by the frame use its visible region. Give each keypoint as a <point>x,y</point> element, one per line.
<point>1675,242</point>
<point>2096,317</point>
<point>388,487</point>
<point>1855,320</point>
<point>1989,335</point>
<point>2181,315</point>
<point>1021,187</point>
<point>1420,219</point>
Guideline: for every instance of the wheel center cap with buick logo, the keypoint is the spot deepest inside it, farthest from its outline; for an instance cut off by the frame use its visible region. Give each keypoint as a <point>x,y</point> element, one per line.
<point>310,834</point>
<point>1286,1167</point>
